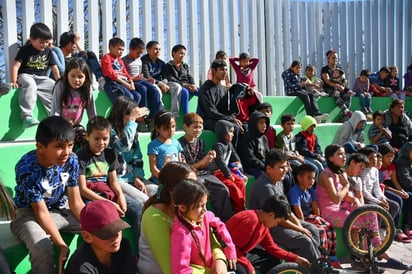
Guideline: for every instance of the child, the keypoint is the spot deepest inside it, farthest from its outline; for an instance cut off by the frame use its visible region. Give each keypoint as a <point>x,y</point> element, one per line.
<point>180,81</point>
<point>163,149</point>
<point>98,177</point>
<point>225,154</point>
<point>104,250</point>
<point>379,82</point>
<point>125,143</point>
<point>152,66</point>
<point>192,229</point>
<point>393,82</point>
<point>373,193</point>
<point>350,133</point>
<point>253,145</point>
<point>195,155</point>
<point>29,73</point>
<point>361,87</point>
<point>220,56</point>
<point>149,94</point>
<point>118,80</point>
<point>270,132</point>
<point>256,224</point>
<point>378,133</point>
<point>408,79</point>
<point>312,83</point>
<point>304,204</point>
<point>72,94</point>
<point>243,92</point>
<point>307,143</point>
<point>46,186</point>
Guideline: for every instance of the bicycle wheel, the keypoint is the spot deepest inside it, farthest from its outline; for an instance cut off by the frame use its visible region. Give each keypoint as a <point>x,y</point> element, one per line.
<point>289,268</point>
<point>358,240</point>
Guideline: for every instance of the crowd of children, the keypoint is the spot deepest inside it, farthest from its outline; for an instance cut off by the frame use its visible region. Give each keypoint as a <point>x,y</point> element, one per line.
<point>104,179</point>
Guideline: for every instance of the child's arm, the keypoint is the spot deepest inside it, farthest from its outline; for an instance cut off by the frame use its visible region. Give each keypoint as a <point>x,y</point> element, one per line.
<point>180,248</point>
<point>56,72</point>
<point>14,71</point>
<point>253,62</point>
<point>315,208</point>
<point>115,186</point>
<point>45,220</point>
<point>153,165</point>
<point>298,212</point>
<point>294,223</point>
<point>75,200</point>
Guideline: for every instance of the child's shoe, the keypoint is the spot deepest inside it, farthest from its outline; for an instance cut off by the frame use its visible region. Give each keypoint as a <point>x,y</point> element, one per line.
<point>347,113</point>
<point>29,122</point>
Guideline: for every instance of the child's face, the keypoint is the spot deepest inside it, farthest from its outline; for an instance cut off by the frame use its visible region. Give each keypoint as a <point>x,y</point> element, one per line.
<point>244,63</point>
<point>103,246</point>
<point>278,171</point>
<point>55,153</point>
<point>310,72</point>
<point>356,168</point>
<point>116,51</point>
<point>196,212</point>
<point>306,180</point>
<point>339,157</point>
<point>98,140</point>
<point>135,53</point>
<point>373,160</point>
<point>311,129</point>
<point>154,51</point>
<point>167,132</point>
<point>222,58</point>
<point>360,124</point>
<point>194,130</point>
<point>336,74</point>
<point>379,163</point>
<point>297,69</point>
<point>387,159</point>
<point>220,73</point>
<point>76,78</point>
<point>378,121</point>
<point>261,125</point>
<point>267,112</point>
<point>229,135</point>
<point>179,55</point>
<point>363,78</point>
<point>269,219</point>
<point>288,127</point>
<point>394,73</point>
<point>40,44</point>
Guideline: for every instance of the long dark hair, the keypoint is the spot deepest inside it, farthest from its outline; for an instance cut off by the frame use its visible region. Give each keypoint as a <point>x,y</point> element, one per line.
<point>84,90</point>
<point>122,106</point>
<point>161,119</point>
<point>329,151</point>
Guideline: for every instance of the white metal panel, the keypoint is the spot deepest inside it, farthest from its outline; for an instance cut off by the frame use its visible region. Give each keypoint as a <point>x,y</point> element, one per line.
<point>286,34</point>
<point>62,18</point>
<point>350,33</point>
<point>134,18</point>
<point>171,27</point>
<point>107,24</point>
<point>198,72</point>
<point>9,36</point>
<point>78,20</point>
<point>28,15</point>
<point>358,29</point>
<point>375,37</point>
<point>320,37</point>
<point>121,20</point>
<point>46,13</point>
<point>224,25</point>
<point>261,47</point>
<point>327,30</point>
<point>294,32</point>
<point>234,26</point>
<point>182,21</point>
<point>270,49</point>
<point>367,21</point>
<point>159,20</point>
<point>147,20</point>
<point>303,48</point>
<point>279,49</point>
<point>214,30</point>
<point>243,27</point>
<point>253,38</point>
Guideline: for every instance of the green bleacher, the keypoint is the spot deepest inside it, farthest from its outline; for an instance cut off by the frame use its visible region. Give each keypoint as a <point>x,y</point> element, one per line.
<point>15,141</point>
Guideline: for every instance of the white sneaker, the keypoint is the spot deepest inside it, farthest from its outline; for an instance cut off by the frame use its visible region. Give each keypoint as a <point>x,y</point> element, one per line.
<point>320,118</point>
<point>101,82</point>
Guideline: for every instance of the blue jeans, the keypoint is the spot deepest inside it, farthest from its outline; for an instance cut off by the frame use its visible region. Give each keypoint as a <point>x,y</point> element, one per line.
<point>364,99</point>
<point>134,213</point>
<point>150,96</point>
<point>114,89</point>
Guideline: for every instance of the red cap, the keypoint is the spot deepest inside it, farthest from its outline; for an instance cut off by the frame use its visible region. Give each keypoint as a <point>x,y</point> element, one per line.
<point>101,218</point>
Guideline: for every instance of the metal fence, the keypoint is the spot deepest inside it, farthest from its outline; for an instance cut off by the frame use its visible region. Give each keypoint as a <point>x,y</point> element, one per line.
<point>366,34</point>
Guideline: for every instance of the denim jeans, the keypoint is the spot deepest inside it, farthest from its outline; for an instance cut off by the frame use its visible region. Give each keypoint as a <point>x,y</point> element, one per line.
<point>114,89</point>
<point>150,96</point>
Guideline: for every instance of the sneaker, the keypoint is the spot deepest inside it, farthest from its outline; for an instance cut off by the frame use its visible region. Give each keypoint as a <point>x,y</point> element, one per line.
<point>4,88</point>
<point>370,110</point>
<point>142,127</point>
<point>323,94</point>
<point>348,113</point>
<point>29,122</point>
<point>101,82</point>
<point>319,117</point>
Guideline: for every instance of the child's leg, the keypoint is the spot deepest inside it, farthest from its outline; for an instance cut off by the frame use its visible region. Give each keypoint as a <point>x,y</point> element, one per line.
<point>397,199</point>
<point>219,196</point>
<point>184,100</point>
<point>27,94</point>
<point>142,90</point>
<point>114,90</point>
<point>134,213</point>
<point>45,91</point>
<point>175,91</point>
<point>237,190</point>
<point>154,97</point>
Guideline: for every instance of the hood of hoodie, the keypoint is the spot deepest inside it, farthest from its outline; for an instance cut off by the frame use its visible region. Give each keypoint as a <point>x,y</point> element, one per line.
<point>221,129</point>
<point>253,121</point>
<point>405,149</point>
<point>356,117</point>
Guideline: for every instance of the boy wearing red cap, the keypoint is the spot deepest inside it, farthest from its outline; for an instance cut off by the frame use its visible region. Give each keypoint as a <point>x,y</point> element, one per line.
<point>104,250</point>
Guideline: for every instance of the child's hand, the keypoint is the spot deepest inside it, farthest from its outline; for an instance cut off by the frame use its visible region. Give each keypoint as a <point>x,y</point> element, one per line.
<point>63,255</point>
<point>302,261</point>
<point>383,203</point>
<point>306,232</point>
<point>118,208</point>
<point>140,185</point>
<point>14,85</point>
<point>403,194</point>
<point>163,87</point>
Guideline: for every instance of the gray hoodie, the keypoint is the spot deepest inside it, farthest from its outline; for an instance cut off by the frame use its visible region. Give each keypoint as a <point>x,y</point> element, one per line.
<point>348,133</point>
<point>403,164</point>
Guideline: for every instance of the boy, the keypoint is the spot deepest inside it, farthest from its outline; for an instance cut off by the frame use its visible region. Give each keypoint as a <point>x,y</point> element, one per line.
<point>257,223</point>
<point>378,133</point>
<point>225,154</point>
<point>104,250</point>
<point>313,84</point>
<point>253,146</point>
<point>29,73</point>
<point>118,80</point>
<point>150,95</point>
<point>47,195</point>
<point>243,93</point>
<point>152,66</point>
<point>350,133</point>
<point>297,236</point>
<point>361,87</point>
<point>195,155</point>
<point>303,202</point>
<point>97,173</point>
<point>180,81</point>
<point>270,132</point>
<point>307,143</point>
<point>378,82</point>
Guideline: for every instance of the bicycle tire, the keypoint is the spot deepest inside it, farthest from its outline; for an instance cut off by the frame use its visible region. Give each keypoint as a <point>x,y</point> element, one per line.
<point>384,218</point>
<point>289,268</point>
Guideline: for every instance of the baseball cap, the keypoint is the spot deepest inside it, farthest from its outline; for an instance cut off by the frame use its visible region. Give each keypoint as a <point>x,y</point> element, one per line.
<point>101,218</point>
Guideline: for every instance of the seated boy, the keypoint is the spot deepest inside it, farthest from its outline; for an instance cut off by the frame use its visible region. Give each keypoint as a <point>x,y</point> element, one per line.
<point>104,250</point>
<point>270,132</point>
<point>378,133</point>
<point>97,174</point>
<point>257,223</point>
<point>350,133</point>
<point>47,195</point>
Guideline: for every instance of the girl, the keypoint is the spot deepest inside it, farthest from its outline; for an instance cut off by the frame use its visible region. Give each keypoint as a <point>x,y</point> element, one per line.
<point>124,141</point>
<point>192,230</point>
<point>72,94</point>
<point>163,149</point>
